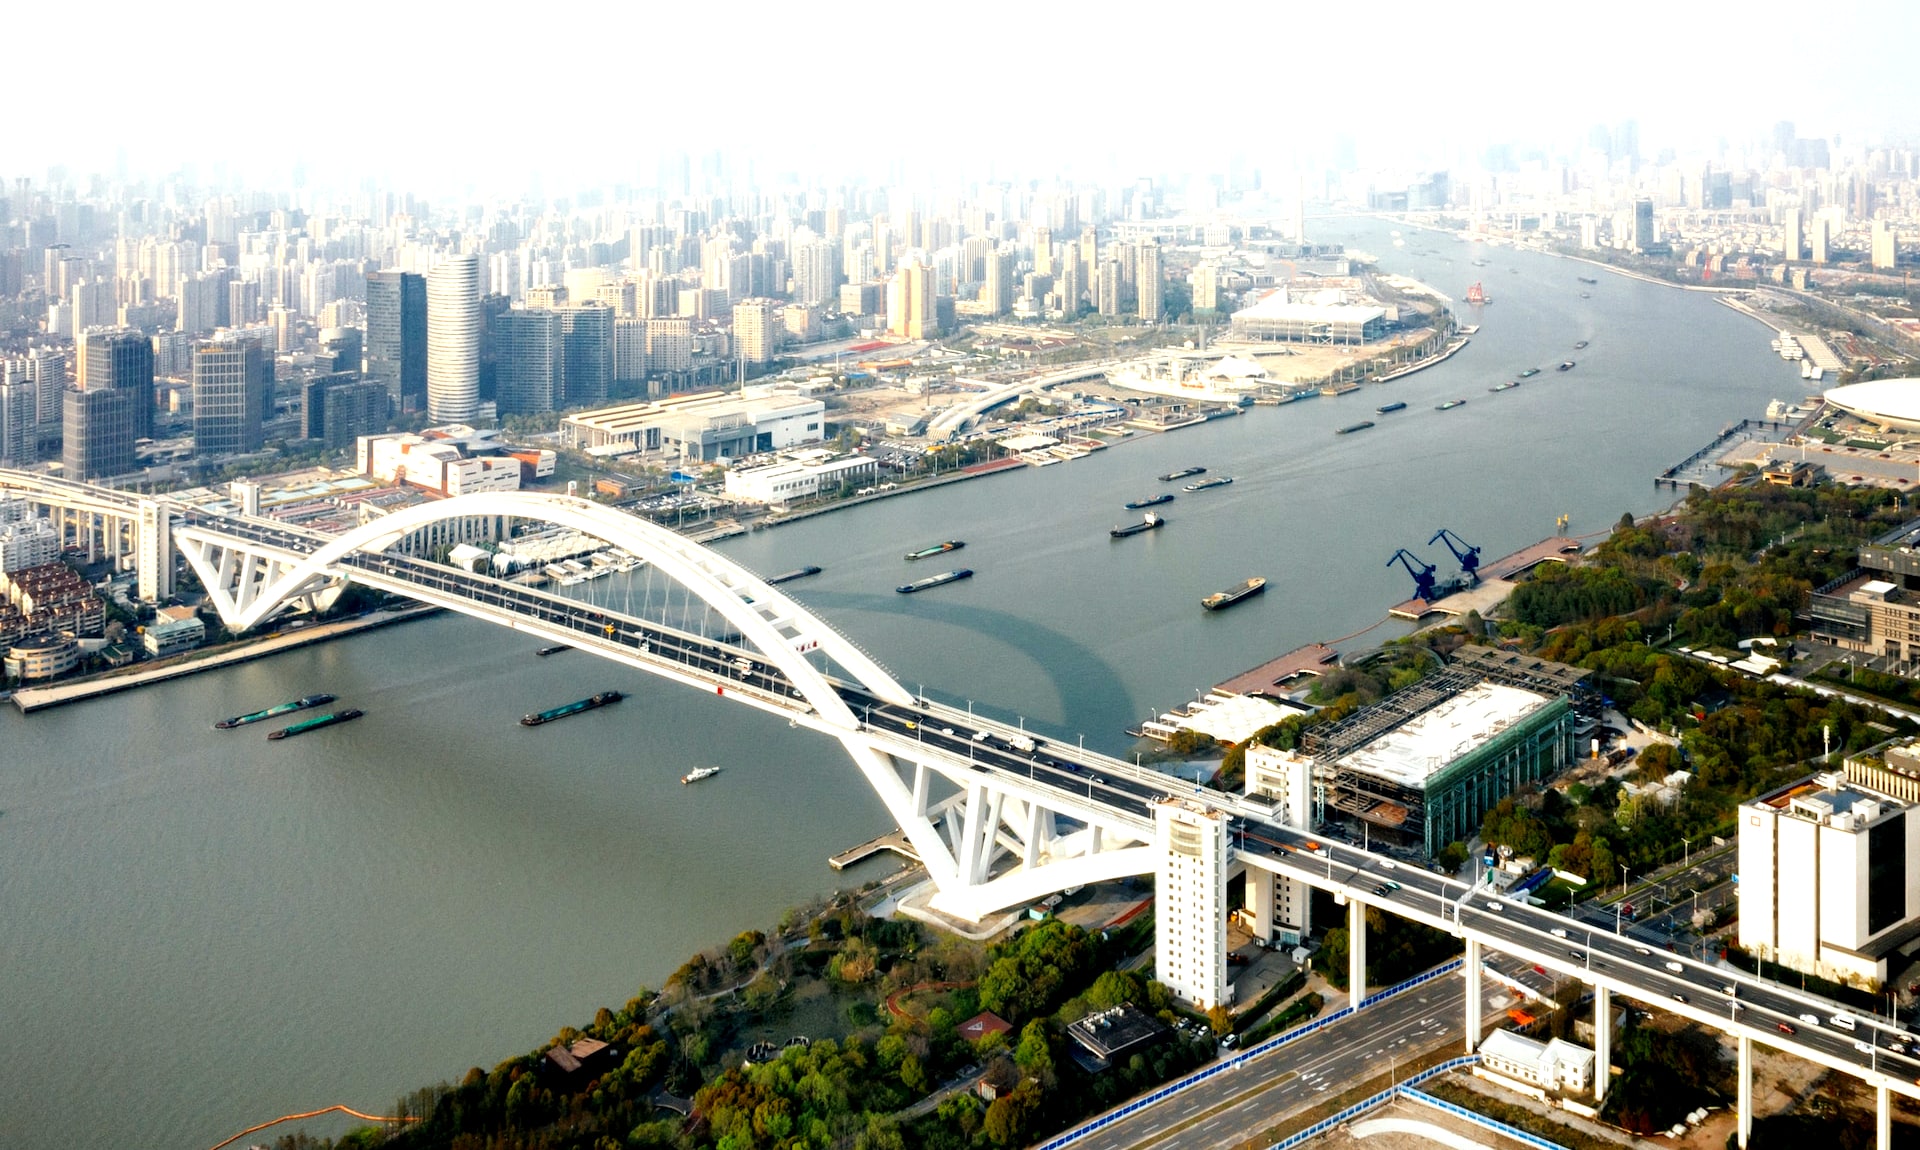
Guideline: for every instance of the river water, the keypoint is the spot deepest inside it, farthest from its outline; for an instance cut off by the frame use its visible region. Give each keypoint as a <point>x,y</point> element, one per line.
<point>200,930</point>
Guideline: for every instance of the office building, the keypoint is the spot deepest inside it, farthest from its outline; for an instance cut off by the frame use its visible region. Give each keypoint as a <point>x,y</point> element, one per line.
<point>1826,881</point>
<point>1149,284</point>
<point>438,464</point>
<point>453,340</point>
<point>396,344</point>
<point>122,360</point>
<point>586,335</point>
<point>996,294</point>
<point>1042,251</point>
<point>779,484</point>
<point>338,409</point>
<point>756,331</point>
<point>1884,253</point>
<point>19,423</point>
<point>1644,233</point>
<point>1819,238</point>
<point>911,312</point>
<point>96,436</point>
<point>1190,902</point>
<point>528,353</point>
<point>701,426</point>
<point>232,394</point>
<point>1792,243</point>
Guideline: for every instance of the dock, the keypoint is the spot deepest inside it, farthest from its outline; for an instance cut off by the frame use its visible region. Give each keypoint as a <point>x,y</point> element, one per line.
<point>895,841</point>
<point>1276,676</point>
<point>1496,581</point>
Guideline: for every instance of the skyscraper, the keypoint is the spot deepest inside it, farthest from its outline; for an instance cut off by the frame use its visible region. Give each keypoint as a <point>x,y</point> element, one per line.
<point>121,360</point>
<point>453,340</point>
<point>755,333</point>
<point>1042,251</point>
<point>1791,242</point>
<point>528,361</point>
<point>397,337</point>
<point>232,392</point>
<point>586,354</point>
<point>337,409</point>
<point>19,441</point>
<point>1148,281</point>
<point>97,433</point>
<point>1820,238</point>
<point>910,303</point>
<point>997,293</point>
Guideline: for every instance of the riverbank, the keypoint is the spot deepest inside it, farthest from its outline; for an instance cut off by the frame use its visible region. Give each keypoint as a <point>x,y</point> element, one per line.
<point>31,699</point>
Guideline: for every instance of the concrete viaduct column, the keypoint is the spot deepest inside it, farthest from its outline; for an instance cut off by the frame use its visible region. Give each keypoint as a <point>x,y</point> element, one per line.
<point>1882,1117</point>
<point>1471,970</point>
<point>1743,1099</point>
<point>1602,1041</point>
<point>1356,951</point>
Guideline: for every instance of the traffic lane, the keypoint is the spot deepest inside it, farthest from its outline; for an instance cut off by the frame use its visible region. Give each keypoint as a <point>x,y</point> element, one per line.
<point>1342,1050</point>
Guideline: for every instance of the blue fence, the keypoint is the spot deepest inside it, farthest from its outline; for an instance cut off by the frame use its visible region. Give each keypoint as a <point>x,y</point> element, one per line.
<point>1479,1120</point>
<point>1240,1059</point>
<point>1326,1124</point>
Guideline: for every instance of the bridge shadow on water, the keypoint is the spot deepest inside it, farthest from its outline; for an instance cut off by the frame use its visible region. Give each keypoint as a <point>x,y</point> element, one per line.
<point>1079,675</point>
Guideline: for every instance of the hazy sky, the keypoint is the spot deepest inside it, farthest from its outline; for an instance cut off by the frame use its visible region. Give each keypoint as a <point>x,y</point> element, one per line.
<point>491,95</point>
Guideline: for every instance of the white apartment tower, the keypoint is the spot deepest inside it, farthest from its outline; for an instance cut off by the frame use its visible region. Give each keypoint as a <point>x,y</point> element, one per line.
<point>1280,907</point>
<point>1190,902</point>
<point>453,340</point>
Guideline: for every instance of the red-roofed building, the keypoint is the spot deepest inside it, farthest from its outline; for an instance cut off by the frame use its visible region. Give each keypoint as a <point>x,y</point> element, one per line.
<point>982,1024</point>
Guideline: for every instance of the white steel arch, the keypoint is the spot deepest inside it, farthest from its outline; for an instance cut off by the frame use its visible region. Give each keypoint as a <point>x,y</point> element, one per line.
<point>780,628</point>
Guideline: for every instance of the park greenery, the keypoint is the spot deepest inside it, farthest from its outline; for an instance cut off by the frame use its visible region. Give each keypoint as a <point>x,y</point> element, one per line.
<point>895,1074</point>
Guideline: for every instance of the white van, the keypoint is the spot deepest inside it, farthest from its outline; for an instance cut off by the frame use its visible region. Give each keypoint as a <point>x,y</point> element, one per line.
<point>1843,1020</point>
<point>1676,968</point>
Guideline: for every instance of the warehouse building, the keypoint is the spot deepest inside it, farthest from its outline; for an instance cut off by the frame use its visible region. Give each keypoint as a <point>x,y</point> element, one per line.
<point>703,426</point>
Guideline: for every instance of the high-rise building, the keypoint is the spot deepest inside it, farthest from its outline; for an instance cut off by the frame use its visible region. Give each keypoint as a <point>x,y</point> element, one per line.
<point>232,393</point>
<point>1885,256</point>
<point>121,360</point>
<point>669,345</point>
<point>1206,287</point>
<point>586,332</point>
<point>1042,251</point>
<point>997,292</point>
<point>1190,892</point>
<point>910,301</point>
<point>1148,283</point>
<point>1106,288</point>
<point>1644,234</point>
<point>96,438</point>
<point>756,330</point>
<point>19,420</point>
<point>1819,237</point>
<point>397,337</point>
<point>1791,241</point>
<point>453,340</point>
<point>528,361</point>
<point>338,409</point>
<point>816,272</point>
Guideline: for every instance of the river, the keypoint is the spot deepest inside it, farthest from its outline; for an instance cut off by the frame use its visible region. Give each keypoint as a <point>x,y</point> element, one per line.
<point>204,930</point>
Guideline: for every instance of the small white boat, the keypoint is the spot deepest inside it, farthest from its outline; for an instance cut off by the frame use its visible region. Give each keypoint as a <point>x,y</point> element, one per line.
<point>698,773</point>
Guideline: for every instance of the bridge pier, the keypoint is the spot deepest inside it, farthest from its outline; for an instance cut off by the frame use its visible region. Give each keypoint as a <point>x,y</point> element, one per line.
<point>1602,1041</point>
<point>1471,971</point>
<point>1882,1117</point>
<point>1743,1097</point>
<point>1356,951</point>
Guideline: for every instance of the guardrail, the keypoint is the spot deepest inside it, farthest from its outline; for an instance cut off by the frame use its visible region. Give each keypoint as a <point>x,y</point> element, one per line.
<point>1479,1120</point>
<point>1241,1059</point>
<point>1361,1107</point>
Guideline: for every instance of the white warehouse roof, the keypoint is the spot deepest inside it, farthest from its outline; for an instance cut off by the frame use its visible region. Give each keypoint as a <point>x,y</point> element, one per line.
<point>1411,753</point>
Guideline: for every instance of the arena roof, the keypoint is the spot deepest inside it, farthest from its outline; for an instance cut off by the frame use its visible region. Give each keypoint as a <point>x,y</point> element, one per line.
<point>1419,749</point>
<point>1893,403</point>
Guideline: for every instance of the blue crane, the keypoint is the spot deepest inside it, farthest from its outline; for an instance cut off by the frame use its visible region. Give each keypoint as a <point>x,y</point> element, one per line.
<point>1421,571</point>
<point>1469,557</point>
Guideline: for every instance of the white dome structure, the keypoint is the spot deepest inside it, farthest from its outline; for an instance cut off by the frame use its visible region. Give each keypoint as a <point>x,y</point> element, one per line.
<point>1892,403</point>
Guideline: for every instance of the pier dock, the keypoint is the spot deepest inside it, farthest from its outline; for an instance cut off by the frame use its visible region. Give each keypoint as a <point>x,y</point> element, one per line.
<point>895,841</point>
<point>1277,676</point>
<point>1496,581</point>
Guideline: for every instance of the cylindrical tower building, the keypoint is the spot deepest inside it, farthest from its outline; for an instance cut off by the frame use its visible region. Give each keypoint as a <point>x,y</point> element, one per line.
<point>453,340</point>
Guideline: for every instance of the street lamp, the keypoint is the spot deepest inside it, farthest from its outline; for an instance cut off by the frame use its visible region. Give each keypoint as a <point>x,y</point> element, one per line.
<point>1623,879</point>
<point>1686,853</point>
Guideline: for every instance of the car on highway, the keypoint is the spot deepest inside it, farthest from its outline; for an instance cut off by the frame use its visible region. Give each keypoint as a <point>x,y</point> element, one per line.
<point>1784,1028</point>
<point>1810,1019</point>
<point>1538,969</point>
<point>1576,956</point>
<point>1558,932</point>
<point>1382,891</point>
<point>1641,950</point>
<point>1493,906</point>
<point>1386,864</point>
<point>1678,997</point>
<point>1897,1047</point>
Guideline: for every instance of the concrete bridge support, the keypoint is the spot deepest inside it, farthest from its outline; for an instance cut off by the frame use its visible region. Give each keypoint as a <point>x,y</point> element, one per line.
<point>1882,1117</point>
<point>1356,951</point>
<point>1743,1096</point>
<point>1470,970</point>
<point>1602,1041</point>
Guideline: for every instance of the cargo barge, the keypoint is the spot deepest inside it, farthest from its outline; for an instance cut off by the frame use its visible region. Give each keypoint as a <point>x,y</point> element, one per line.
<point>574,708</point>
<point>796,573</point>
<point>934,581</point>
<point>1221,600</point>
<point>274,712</point>
<point>315,724</point>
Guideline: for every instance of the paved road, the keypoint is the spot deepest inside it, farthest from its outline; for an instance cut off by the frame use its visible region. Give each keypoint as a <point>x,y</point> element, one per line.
<point>1231,1107</point>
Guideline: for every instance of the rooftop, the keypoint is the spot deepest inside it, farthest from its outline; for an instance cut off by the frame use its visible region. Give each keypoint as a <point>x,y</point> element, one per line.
<point>1412,753</point>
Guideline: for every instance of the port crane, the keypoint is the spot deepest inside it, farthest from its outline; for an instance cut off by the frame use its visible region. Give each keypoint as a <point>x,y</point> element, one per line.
<point>1469,556</point>
<point>1421,571</point>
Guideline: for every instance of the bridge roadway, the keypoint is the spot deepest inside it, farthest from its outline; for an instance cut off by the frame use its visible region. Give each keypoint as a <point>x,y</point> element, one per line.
<point>1070,776</point>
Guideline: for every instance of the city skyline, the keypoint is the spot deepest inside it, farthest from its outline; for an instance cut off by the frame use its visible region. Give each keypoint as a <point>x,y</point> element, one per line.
<point>1006,99</point>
